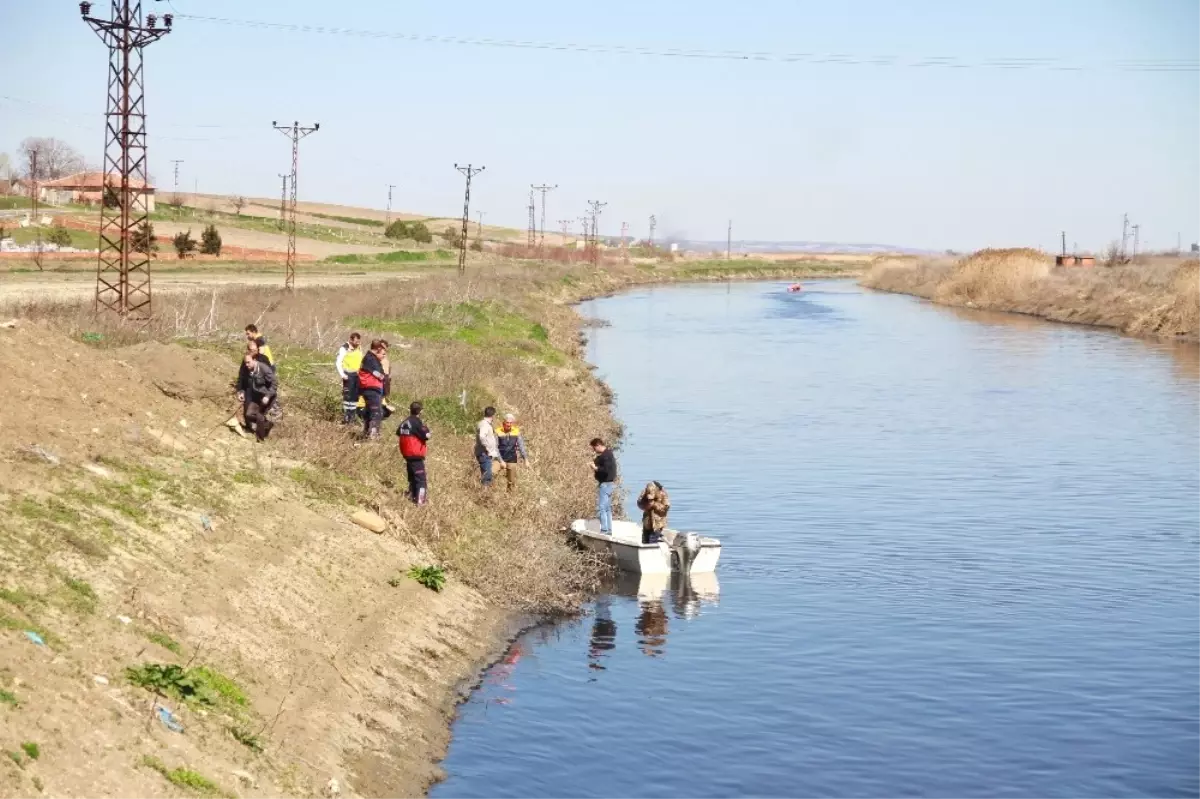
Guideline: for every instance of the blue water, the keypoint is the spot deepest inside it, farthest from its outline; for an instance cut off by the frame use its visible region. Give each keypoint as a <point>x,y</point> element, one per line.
<point>960,559</point>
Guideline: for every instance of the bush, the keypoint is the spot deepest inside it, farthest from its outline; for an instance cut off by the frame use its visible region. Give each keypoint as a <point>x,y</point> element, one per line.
<point>477,245</point>
<point>210,241</point>
<point>432,577</point>
<point>451,235</point>
<point>398,230</point>
<point>59,235</point>
<point>420,233</point>
<point>144,238</point>
<point>185,245</point>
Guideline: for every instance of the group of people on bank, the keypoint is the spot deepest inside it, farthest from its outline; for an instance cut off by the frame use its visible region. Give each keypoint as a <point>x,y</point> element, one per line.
<point>366,386</point>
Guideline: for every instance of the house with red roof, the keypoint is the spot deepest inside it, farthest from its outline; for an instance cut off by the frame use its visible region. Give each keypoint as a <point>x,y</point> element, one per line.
<point>88,188</point>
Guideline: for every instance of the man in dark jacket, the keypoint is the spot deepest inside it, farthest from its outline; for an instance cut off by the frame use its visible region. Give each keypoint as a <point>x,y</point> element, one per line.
<point>370,384</point>
<point>605,469</point>
<point>414,445</point>
<point>240,426</point>
<point>257,389</point>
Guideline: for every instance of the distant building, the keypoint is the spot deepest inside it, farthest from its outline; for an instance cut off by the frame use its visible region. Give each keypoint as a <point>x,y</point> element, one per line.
<point>88,188</point>
<point>1075,260</point>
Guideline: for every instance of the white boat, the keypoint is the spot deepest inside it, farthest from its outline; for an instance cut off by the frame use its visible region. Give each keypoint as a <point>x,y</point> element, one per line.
<point>688,553</point>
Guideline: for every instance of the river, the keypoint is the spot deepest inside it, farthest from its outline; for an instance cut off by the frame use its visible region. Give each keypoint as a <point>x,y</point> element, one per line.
<point>959,559</point>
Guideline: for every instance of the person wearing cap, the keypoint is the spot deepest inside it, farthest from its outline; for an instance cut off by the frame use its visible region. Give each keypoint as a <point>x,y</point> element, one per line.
<point>414,446</point>
<point>511,444</point>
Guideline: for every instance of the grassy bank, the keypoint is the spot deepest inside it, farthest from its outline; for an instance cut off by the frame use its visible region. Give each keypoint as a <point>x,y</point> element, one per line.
<point>1155,299</point>
<point>161,560</point>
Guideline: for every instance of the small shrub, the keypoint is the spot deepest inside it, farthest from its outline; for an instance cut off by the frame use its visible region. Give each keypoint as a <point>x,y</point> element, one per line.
<point>210,241</point>
<point>246,738</point>
<point>32,750</point>
<point>144,238</point>
<point>200,684</point>
<point>432,577</point>
<point>452,236</point>
<point>182,777</point>
<point>398,230</point>
<point>420,233</point>
<point>184,244</point>
<point>9,698</point>
<point>59,235</point>
<point>165,641</point>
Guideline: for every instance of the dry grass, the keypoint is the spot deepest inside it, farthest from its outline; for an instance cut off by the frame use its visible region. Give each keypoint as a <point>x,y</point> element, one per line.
<point>1161,298</point>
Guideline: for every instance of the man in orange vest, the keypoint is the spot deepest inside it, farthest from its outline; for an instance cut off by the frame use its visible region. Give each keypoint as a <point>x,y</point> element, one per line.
<point>370,383</point>
<point>414,444</point>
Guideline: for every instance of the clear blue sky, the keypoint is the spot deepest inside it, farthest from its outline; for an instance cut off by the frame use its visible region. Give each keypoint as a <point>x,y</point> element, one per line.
<point>927,157</point>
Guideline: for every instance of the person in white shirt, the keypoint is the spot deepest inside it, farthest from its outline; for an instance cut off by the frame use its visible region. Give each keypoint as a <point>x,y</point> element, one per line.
<point>487,448</point>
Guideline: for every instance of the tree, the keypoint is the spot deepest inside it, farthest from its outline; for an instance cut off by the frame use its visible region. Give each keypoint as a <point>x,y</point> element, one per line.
<point>398,230</point>
<point>59,235</point>
<point>185,245</point>
<point>238,203</point>
<point>55,159</point>
<point>144,238</point>
<point>451,236</point>
<point>420,233</point>
<point>210,241</point>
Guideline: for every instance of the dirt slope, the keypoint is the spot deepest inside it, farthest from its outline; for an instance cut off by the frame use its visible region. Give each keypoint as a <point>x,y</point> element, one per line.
<point>139,504</point>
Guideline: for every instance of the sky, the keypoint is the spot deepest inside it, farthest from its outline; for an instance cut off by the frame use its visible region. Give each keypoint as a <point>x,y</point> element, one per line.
<point>930,157</point>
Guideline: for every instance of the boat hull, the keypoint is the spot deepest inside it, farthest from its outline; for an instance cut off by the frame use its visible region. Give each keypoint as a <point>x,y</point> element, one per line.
<point>625,550</point>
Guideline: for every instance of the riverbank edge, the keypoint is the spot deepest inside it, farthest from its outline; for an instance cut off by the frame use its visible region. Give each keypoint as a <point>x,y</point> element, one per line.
<point>1125,299</point>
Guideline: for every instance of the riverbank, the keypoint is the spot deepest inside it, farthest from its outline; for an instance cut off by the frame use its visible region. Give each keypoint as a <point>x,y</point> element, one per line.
<point>150,551</point>
<point>1156,299</point>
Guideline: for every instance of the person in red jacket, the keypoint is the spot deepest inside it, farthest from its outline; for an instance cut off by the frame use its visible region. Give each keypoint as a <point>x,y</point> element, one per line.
<point>414,444</point>
<point>370,385</point>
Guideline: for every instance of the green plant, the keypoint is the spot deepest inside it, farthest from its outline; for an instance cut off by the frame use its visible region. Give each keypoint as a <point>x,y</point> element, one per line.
<point>398,230</point>
<point>165,641</point>
<point>248,477</point>
<point>419,232</point>
<point>184,244</point>
<point>17,597</point>
<point>143,239</point>
<point>32,750</point>
<point>452,236</point>
<point>83,596</point>
<point>224,687</point>
<point>210,241</point>
<point>432,577</point>
<point>182,777</point>
<point>246,738</point>
<point>59,235</point>
<point>168,679</point>
<point>15,757</point>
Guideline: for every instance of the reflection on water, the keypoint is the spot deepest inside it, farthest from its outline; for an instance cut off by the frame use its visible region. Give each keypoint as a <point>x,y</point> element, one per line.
<point>959,559</point>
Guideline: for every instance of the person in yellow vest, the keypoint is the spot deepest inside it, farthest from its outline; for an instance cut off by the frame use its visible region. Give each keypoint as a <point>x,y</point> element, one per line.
<point>511,444</point>
<point>349,358</point>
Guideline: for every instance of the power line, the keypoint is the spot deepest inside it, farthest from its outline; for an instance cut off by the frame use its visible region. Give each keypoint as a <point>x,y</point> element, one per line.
<point>295,133</point>
<point>542,238</point>
<point>838,59</point>
<point>122,271</point>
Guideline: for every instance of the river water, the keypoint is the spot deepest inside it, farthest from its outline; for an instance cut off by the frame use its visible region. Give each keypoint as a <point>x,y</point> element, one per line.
<point>960,559</point>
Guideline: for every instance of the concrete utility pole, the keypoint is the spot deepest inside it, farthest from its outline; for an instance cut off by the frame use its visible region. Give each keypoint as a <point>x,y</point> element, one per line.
<point>625,242</point>
<point>595,207</point>
<point>123,273</point>
<point>283,201</point>
<point>33,209</point>
<point>479,228</point>
<point>531,233</point>
<point>653,224</point>
<point>729,241</point>
<point>1064,243</point>
<point>469,172</point>
<point>543,189</point>
<point>176,162</point>
<point>1124,235</point>
<point>295,133</point>
<point>389,205</point>
<point>1137,232</point>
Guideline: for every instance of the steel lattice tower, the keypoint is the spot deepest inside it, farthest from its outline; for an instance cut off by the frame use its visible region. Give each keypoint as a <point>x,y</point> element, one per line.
<point>295,133</point>
<point>123,273</point>
<point>531,234</point>
<point>542,233</point>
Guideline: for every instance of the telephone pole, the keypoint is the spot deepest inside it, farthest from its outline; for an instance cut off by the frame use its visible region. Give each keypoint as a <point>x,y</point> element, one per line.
<point>389,205</point>
<point>1064,243</point>
<point>176,162</point>
<point>123,273</point>
<point>1137,233</point>
<point>531,233</point>
<point>479,228</point>
<point>595,207</point>
<point>283,201</point>
<point>729,241</point>
<point>33,209</point>
<point>543,189</point>
<point>470,172</point>
<point>653,224</point>
<point>295,133</point>
<point>625,242</point>
<point>1124,235</point>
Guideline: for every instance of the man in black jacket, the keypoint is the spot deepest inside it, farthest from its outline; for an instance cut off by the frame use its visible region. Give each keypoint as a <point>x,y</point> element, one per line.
<point>605,469</point>
<point>257,389</point>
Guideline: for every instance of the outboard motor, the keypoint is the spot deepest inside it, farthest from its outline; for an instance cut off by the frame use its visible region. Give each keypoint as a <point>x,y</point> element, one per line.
<point>685,551</point>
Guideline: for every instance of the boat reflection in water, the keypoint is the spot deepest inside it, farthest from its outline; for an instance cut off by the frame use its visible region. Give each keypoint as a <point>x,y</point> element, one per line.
<point>685,595</point>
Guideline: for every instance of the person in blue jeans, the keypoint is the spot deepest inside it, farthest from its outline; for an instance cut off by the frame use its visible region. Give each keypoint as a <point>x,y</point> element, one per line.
<point>605,469</point>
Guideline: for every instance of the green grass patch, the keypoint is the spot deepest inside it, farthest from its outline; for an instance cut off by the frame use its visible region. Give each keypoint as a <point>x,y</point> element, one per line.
<point>353,220</point>
<point>184,778</point>
<point>309,382</point>
<point>164,640</point>
<point>248,477</point>
<point>81,595</point>
<point>9,698</point>
<point>15,757</point>
<point>226,688</point>
<point>395,257</point>
<point>17,597</point>
<point>480,324</point>
<point>246,738</point>
<point>32,750</point>
<point>80,239</point>
<point>201,685</point>
<point>53,510</point>
<point>10,203</point>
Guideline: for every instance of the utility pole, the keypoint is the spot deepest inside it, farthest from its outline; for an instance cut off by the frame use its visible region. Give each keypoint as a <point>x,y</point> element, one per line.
<point>625,242</point>
<point>295,133</point>
<point>729,241</point>
<point>283,200</point>
<point>1178,243</point>
<point>123,273</point>
<point>565,224</point>
<point>653,224</point>
<point>1124,235</point>
<point>595,207</point>
<point>543,189</point>
<point>389,205</point>
<point>1137,232</point>
<point>531,233</point>
<point>479,228</point>
<point>33,209</point>
<point>1064,243</point>
<point>470,172</point>
<point>176,162</point>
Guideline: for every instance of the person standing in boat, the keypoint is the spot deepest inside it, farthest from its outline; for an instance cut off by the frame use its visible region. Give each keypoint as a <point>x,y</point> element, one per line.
<point>654,504</point>
<point>605,468</point>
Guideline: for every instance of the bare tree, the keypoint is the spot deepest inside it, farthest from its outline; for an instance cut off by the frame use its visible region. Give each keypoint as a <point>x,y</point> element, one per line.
<point>238,202</point>
<point>55,159</point>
